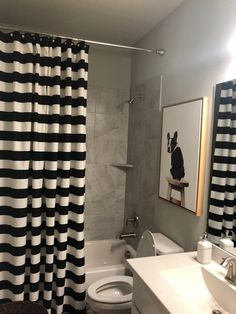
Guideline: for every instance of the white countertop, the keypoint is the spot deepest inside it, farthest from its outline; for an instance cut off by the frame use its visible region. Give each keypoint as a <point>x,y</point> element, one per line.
<point>152,270</point>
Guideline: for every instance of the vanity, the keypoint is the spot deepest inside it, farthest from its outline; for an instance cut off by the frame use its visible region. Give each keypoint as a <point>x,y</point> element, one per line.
<point>178,284</point>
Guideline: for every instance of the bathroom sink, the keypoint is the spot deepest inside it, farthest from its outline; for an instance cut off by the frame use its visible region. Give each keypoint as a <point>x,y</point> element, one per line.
<point>202,289</point>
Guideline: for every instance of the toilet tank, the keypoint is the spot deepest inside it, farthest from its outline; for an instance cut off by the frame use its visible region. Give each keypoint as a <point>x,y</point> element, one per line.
<point>152,244</point>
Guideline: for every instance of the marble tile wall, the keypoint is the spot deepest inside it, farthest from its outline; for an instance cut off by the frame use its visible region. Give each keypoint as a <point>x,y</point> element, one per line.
<point>107,137</point>
<point>143,152</point>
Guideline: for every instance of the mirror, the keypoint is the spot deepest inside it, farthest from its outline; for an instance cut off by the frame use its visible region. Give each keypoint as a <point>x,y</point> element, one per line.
<point>222,189</point>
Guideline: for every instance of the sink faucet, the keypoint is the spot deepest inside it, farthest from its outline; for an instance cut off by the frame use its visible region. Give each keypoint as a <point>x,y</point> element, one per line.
<point>230,263</point>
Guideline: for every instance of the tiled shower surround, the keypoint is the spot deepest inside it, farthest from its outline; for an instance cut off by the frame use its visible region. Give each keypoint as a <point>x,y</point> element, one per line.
<point>144,154</point>
<point>107,136</point>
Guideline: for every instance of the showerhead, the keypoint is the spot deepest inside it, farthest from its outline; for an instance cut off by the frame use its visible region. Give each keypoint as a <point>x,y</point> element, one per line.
<point>133,99</point>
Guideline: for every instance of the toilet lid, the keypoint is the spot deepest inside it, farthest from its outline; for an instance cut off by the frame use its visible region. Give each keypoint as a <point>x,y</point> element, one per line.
<point>146,245</point>
<point>115,289</point>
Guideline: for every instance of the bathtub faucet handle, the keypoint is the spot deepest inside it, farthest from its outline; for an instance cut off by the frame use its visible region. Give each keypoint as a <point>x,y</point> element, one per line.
<point>134,220</point>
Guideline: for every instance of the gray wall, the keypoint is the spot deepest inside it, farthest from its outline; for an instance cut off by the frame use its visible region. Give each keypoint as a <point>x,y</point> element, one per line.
<point>196,37</point>
<point>109,67</point>
<point>107,134</point>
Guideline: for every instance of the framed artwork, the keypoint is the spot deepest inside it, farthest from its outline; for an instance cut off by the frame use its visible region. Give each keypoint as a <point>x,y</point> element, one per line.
<point>183,153</point>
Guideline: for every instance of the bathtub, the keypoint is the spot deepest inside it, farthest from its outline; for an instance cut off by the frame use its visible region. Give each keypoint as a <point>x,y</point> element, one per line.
<point>104,258</point>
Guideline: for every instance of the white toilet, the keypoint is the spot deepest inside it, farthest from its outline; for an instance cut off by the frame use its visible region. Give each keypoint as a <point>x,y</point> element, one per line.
<point>113,295</point>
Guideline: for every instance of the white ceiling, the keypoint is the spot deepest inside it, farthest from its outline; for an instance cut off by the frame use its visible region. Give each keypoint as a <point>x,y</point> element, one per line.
<point>117,21</point>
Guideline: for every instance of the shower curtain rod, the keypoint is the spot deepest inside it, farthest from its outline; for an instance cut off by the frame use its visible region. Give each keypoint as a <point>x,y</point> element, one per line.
<point>159,52</point>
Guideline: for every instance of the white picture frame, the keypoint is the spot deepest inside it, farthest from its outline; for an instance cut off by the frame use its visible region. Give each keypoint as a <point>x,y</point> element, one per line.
<point>183,153</point>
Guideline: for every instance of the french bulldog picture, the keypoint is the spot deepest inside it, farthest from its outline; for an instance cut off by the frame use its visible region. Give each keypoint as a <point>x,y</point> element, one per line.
<point>177,161</point>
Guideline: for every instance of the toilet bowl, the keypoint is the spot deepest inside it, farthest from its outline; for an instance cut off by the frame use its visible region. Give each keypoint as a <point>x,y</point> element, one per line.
<point>113,295</point>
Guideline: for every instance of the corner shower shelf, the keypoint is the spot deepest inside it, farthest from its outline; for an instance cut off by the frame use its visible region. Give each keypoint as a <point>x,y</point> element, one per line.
<point>125,166</point>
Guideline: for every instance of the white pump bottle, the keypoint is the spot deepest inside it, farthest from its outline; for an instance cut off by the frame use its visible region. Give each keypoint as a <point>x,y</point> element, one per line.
<point>204,250</point>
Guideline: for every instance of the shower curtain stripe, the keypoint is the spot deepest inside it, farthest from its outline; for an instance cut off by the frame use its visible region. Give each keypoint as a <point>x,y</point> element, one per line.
<point>43,92</point>
<point>222,210</point>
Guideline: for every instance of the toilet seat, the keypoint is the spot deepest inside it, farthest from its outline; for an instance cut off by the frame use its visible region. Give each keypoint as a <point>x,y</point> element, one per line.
<point>112,290</point>
<point>146,245</point>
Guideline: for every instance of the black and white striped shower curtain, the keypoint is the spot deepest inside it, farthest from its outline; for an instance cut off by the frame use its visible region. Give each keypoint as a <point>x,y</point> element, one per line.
<point>222,209</point>
<point>43,90</point>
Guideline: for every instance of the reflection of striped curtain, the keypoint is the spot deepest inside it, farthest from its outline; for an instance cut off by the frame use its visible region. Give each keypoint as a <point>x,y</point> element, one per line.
<point>222,210</point>
<point>43,89</point>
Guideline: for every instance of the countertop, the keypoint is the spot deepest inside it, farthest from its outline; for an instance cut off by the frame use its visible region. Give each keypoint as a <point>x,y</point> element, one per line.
<point>150,271</point>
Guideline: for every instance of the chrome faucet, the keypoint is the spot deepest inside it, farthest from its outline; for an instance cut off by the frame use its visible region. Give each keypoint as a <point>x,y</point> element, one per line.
<point>230,264</point>
<point>128,235</point>
<point>134,220</point>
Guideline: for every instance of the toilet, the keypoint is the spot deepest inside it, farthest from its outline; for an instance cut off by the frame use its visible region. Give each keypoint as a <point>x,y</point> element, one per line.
<point>113,295</point>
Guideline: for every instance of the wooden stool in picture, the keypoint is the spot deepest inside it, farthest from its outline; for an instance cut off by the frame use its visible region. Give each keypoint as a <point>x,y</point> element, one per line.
<point>177,186</point>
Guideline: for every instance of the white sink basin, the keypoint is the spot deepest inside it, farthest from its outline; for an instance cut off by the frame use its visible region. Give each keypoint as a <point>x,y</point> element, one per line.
<point>202,288</point>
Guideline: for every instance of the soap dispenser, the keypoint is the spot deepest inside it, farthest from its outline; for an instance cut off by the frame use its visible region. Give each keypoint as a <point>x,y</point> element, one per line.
<point>204,250</point>
<point>226,242</point>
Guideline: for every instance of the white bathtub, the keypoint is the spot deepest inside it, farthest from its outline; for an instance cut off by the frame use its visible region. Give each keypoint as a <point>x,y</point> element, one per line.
<point>104,258</point>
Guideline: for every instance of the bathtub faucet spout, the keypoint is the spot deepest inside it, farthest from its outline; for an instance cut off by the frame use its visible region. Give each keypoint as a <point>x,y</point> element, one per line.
<point>128,235</point>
